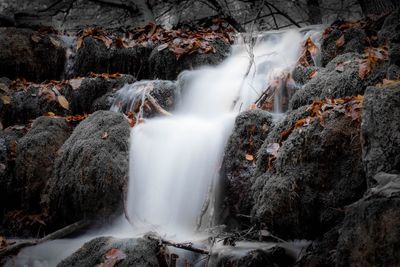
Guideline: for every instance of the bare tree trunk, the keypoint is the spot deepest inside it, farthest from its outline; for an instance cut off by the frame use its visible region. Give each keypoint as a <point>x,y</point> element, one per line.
<point>377,7</point>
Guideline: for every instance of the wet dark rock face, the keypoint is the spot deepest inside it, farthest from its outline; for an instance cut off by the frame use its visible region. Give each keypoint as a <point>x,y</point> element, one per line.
<point>381,130</point>
<point>251,128</point>
<point>318,170</point>
<point>23,56</point>
<point>91,171</point>
<point>137,252</point>
<point>36,152</point>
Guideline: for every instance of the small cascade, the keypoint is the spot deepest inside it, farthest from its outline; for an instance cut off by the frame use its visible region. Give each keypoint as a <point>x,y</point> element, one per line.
<point>175,160</point>
<point>68,42</point>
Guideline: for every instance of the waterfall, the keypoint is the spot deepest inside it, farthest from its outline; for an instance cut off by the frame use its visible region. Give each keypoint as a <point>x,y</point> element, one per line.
<point>175,160</point>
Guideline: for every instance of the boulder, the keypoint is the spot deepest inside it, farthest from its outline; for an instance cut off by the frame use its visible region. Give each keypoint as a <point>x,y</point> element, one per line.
<point>124,252</point>
<point>36,152</point>
<point>337,82</point>
<point>92,89</point>
<point>91,171</point>
<point>129,98</point>
<point>27,54</point>
<point>251,128</point>
<point>163,63</point>
<point>94,56</point>
<point>306,179</point>
<point>9,190</point>
<point>390,28</point>
<point>370,234</point>
<point>380,130</point>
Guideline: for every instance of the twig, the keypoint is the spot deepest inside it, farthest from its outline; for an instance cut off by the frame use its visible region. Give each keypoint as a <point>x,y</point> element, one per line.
<point>70,229</point>
<point>154,103</point>
<point>185,246</point>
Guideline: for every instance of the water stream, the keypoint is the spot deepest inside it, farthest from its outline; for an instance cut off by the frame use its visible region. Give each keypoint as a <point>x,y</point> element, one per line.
<point>175,160</point>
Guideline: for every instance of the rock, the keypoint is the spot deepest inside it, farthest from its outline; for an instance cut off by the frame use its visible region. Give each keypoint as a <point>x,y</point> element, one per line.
<point>163,64</point>
<point>104,102</point>
<point>251,128</point>
<point>94,56</point>
<point>370,234</point>
<point>380,130</point>
<point>317,171</point>
<point>36,152</point>
<point>355,41</point>
<point>91,171</point>
<point>263,256</point>
<point>302,75</point>
<point>92,89</point>
<point>32,101</point>
<point>336,83</point>
<point>129,98</point>
<point>390,28</point>
<point>9,190</point>
<point>393,72</point>
<point>27,54</point>
<point>132,251</point>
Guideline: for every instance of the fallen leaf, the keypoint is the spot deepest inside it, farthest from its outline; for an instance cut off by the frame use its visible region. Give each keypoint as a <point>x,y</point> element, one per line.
<point>6,99</point>
<point>112,257</point>
<point>55,42</point>
<point>104,135</point>
<point>35,38</point>
<point>63,102</point>
<point>340,42</point>
<point>79,42</point>
<point>3,242</point>
<point>386,83</point>
<point>249,157</point>
<point>313,74</point>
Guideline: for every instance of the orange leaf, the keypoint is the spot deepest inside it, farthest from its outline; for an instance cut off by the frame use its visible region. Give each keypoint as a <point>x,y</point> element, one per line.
<point>249,157</point>
<point>340,42</point>
<point>104,135</point>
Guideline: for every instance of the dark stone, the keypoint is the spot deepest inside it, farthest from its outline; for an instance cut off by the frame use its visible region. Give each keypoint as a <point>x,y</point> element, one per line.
<point>317,171</point>
<point>36,152</point>
<point>138,251</point>
<point>91,171</point>
<point>390,31</point>
<point>355,41</point>
<point>251,128</point>
<point>92,89</point>
<point>380,130</point>
<point>104,102</point>
<point>94,56</point>
<point>30,102</point>
<point>21,57</point>
<point>267,256</point>
<point>163,64</point>
<point>301,74</point>
<point>334,83</point>
<point>370,234</point>
<point>9,189</point>
<point>393,72</point>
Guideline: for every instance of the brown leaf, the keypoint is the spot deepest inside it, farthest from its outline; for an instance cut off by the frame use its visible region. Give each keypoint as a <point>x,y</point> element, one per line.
<point>340,42</point>
<point>249,157</point>
<point>386,83</point>
<point>112,257</point>
<point>313,74</point>
<point>55,42</point>
<point>79,42</point>
<point>3,242</point>
<point>35,38</point>
<point>6,99</point>
<point>104,135</point>
<point>63,102</point>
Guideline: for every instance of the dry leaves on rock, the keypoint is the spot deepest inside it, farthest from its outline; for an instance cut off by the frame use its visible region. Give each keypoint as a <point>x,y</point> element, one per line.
<point>310,50</point>
<point>372,57</point>
<point>112,257</point>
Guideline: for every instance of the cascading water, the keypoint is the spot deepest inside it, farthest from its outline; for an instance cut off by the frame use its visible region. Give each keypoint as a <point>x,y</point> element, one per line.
<point>175,160</point>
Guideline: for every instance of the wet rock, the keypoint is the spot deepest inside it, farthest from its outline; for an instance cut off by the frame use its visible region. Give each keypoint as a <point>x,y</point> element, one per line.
<point>132,251</point>
<point>251,128</point>
<point>9,190</point>
<point>130,97</point>
<point>337,82</point>
<point>32,101</point>
<point>381,130</point>
<point>94,88</point>
<point>355,40</point>
<point>91,171</point>
<point>302,75</point>
<point>267,256</point>
<point>390,31</point>
<point>317,171</point>
<point>36,152</point>
<point>26,54</point>
<point>104,102</point>
<point>370,234</point>
<point>393,72</point>
<point>94,56</point>
<point>163,64</point>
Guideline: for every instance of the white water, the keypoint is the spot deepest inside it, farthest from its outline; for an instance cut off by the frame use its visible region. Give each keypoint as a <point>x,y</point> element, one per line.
<point>174,160</point>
